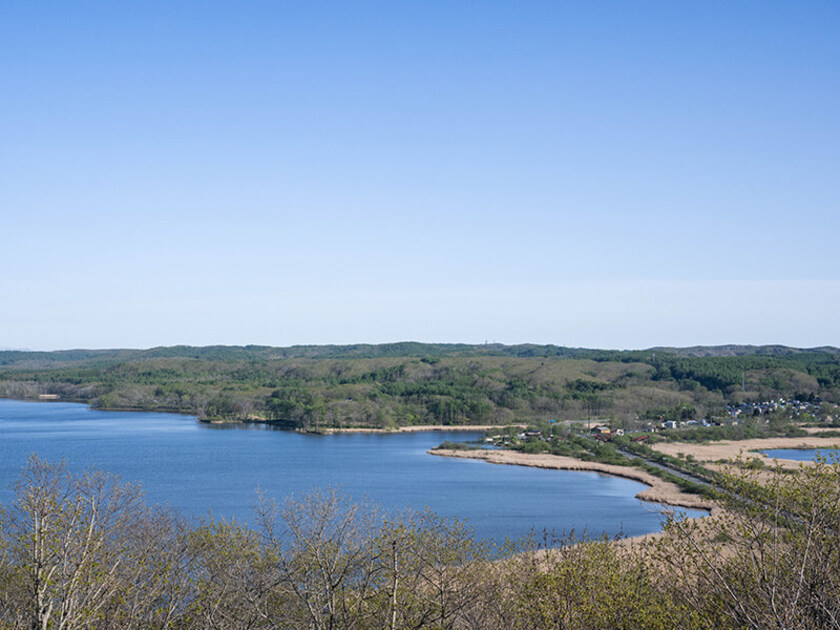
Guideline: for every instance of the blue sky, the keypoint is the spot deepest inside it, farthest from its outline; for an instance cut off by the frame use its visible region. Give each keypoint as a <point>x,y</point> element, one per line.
<point>599,174</point>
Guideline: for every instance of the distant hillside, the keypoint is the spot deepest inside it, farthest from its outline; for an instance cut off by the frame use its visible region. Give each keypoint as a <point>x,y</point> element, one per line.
<point>262,353</point>
<point>732,350</point>
<point>415,383</point>
<point>372,351</point>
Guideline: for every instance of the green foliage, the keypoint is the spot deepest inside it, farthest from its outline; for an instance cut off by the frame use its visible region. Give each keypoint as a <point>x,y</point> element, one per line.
<point>772,559</point>
<point>454,446</point>
<point>592,585</point>
<point>534,447</point>
<point>411,383</point>
<point>751,428</point>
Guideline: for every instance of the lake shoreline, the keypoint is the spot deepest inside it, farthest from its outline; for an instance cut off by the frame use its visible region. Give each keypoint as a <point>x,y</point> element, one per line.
<point>658,491</point>
<point>418,428</point>
<point>199,471</point>
<point>414,428</point>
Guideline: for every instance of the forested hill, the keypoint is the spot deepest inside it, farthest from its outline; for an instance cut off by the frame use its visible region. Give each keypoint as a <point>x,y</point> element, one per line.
<point>17,358</point>
<point>415,383</point>
<point>733,350</point>
<point>261,353</point>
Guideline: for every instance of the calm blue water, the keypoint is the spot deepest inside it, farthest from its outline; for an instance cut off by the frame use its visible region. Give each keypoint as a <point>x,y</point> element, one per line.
<point>800,454</point>
<point>203,469</point>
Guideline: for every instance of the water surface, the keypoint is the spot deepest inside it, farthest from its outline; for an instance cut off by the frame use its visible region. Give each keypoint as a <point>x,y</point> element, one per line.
<point>800,454</point>
<point>217,469</point>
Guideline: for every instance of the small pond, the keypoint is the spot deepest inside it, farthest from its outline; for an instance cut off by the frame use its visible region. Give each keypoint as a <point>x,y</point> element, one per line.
<point>800,454</point>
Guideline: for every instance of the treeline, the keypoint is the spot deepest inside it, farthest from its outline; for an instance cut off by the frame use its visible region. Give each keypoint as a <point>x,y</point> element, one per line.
<point>725,373</point>
<point>411,383</point>
<point>85,552</point>
<point>263,353</point>
<point>23,358</point>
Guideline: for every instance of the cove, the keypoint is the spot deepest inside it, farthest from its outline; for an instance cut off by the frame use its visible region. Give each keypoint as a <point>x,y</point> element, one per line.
<point>204,469</point>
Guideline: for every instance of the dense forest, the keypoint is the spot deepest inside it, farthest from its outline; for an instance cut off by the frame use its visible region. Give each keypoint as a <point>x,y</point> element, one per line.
<point>85,552</point>
<point>409,383</point>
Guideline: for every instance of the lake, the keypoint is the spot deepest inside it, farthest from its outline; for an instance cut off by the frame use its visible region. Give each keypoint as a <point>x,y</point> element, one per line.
<point>205,469</point>
<point>799,454</point>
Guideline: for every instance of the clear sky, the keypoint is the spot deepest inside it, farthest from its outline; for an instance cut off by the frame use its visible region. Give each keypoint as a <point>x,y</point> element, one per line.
<point>599,174</point>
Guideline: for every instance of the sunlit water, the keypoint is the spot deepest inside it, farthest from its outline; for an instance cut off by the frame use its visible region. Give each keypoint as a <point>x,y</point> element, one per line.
<point>800,454</point>
<point>201,469</point>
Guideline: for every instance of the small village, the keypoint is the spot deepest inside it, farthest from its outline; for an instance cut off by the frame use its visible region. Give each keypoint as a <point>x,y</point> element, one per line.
<point>795,407</point>
<point>604,429</point>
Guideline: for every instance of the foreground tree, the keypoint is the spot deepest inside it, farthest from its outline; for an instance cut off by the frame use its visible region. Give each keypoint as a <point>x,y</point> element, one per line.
<point>326,563</point>
<point>82,551</point>
<point>772,559</point>
<point>234,585</point>
<point>436,572</point>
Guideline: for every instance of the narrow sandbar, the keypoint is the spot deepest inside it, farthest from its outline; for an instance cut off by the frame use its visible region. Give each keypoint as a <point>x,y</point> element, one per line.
<point>659,491</point>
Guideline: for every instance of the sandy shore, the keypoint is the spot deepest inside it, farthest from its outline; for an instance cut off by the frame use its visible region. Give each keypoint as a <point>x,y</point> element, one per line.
<point>659,491</point>
<point>730,449</point>
<point>819,430</point>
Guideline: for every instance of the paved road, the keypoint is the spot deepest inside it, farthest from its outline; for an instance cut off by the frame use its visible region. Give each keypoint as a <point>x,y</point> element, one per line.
<point>674,471</point>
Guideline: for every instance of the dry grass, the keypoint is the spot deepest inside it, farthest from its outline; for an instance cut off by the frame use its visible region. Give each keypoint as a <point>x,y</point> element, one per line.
<point>713,452</point>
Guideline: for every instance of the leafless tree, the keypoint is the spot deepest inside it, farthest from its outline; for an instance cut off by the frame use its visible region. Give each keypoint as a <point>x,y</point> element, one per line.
<point>324,557</point>
<point>83,551</point>
<point>68,536</point>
